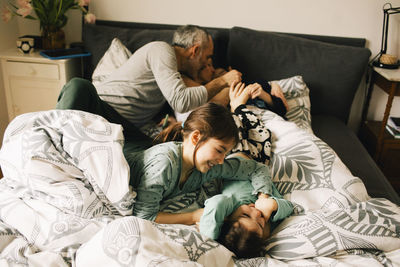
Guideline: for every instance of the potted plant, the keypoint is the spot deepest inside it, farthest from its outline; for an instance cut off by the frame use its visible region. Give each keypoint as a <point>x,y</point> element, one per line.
<point>51,15</point>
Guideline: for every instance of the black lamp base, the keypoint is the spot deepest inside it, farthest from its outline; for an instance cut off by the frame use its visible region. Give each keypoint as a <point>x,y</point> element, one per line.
<point>378,64</point>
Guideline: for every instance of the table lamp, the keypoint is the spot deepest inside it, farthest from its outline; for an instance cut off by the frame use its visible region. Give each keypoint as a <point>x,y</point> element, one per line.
<point>384,60</point>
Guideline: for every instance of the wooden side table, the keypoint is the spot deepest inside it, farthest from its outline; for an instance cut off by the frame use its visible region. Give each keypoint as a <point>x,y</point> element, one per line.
<point>383,147</point>
<point>33,82</point>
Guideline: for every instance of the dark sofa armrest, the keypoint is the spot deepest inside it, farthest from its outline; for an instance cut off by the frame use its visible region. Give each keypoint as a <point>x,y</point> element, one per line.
<point>353,154</point>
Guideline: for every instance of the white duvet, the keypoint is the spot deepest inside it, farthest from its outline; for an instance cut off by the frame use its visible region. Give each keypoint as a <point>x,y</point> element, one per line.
<point>65,201</point>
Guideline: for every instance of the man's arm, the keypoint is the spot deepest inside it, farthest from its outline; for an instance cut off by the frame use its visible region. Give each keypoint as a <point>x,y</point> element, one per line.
<point>163,65</point>
<point>222,97</point>
<point>216,85</point>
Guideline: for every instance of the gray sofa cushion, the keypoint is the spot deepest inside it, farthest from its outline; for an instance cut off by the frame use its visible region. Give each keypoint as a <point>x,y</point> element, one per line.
<point>353,154</point>
<point>332,72</point>
<point>98,39</point>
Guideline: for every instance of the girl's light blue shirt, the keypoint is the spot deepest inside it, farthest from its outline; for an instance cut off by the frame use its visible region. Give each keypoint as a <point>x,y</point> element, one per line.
<point>155,174</point>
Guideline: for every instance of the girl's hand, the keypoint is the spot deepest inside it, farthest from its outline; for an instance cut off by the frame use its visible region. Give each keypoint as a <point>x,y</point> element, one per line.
<point>196,215</point>
<point>266,206</point>
<point>238,95</point>
<point>276,90</point>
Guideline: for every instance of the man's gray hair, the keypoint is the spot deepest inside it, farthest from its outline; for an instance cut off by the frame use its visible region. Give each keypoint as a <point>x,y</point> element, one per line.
<point>189,35</point>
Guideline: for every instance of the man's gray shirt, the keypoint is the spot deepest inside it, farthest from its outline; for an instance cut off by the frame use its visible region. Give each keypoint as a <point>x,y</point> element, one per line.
<point>140,87</point>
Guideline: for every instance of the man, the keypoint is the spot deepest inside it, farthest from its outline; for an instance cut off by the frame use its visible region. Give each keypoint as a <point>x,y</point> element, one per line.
<point>134,93</point>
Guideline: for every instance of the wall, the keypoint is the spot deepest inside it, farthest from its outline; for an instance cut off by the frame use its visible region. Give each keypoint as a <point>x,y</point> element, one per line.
<point>8,33</point>
<point>72,29</point>
<point>350,18</point>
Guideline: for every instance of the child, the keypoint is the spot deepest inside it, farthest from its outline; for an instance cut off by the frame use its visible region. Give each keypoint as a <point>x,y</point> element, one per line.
<point>173,168</point>
<point>232,217</point>
<point>268,96</point>
<point>235,221</point>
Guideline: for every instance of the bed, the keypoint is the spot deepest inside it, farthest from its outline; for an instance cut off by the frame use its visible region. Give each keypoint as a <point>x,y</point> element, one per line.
<point>65,198</point>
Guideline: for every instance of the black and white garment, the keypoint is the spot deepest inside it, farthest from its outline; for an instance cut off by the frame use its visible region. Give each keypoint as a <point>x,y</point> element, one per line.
<point>254,137</point>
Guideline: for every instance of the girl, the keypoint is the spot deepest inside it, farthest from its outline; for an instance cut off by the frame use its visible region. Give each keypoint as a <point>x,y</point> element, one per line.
<point>172,168</point>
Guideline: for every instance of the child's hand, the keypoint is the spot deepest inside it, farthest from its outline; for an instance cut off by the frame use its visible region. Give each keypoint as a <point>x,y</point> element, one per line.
<point>266,206</point>
<point>238,95</point>
<point>255,90</point>
<point>276,90</point>
<point>197,226</point>
<point>196,215</point>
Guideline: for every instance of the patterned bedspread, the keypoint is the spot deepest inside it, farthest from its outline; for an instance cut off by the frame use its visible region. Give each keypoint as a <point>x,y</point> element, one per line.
<point>65,201</point>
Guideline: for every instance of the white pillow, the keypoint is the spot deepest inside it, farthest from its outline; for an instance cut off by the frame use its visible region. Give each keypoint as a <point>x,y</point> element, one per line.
<point>116,55</point>
<point>298,98</point>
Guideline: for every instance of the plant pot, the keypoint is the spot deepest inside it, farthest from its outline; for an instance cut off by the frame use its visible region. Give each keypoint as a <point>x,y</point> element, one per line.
<point>52,38</point>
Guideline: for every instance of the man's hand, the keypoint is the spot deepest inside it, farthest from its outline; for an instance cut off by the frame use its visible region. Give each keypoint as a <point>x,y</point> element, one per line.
<point>232,76</point>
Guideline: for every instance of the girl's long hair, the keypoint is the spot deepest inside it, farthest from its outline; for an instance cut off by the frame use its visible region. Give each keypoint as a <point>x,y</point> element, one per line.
<point>211,120</point>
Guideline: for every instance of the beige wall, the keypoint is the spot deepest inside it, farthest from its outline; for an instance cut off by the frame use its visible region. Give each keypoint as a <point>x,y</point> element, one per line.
<point>351,18</point>
<point>8,33</point>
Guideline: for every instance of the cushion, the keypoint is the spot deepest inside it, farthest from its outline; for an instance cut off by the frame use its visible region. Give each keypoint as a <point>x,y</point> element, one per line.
<point>98,38</point>
<point>297,96</point>
<point>332,72</point>
<point>116,55</point>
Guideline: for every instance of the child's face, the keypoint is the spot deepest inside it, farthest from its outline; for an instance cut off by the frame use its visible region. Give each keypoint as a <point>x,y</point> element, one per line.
<point>251,219</point>
<point>207,73</point>
<point>211,153</point>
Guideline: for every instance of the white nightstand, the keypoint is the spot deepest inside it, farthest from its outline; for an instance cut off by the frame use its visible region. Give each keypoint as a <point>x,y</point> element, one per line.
<point>32,82</point>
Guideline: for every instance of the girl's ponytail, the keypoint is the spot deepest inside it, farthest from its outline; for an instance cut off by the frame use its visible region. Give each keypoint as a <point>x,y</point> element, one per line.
<point>172,133</point>
<point>211,120</point>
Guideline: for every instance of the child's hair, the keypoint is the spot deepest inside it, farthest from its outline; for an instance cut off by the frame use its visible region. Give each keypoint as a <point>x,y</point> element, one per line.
<point>211,120</point>
<point>239,240</point>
